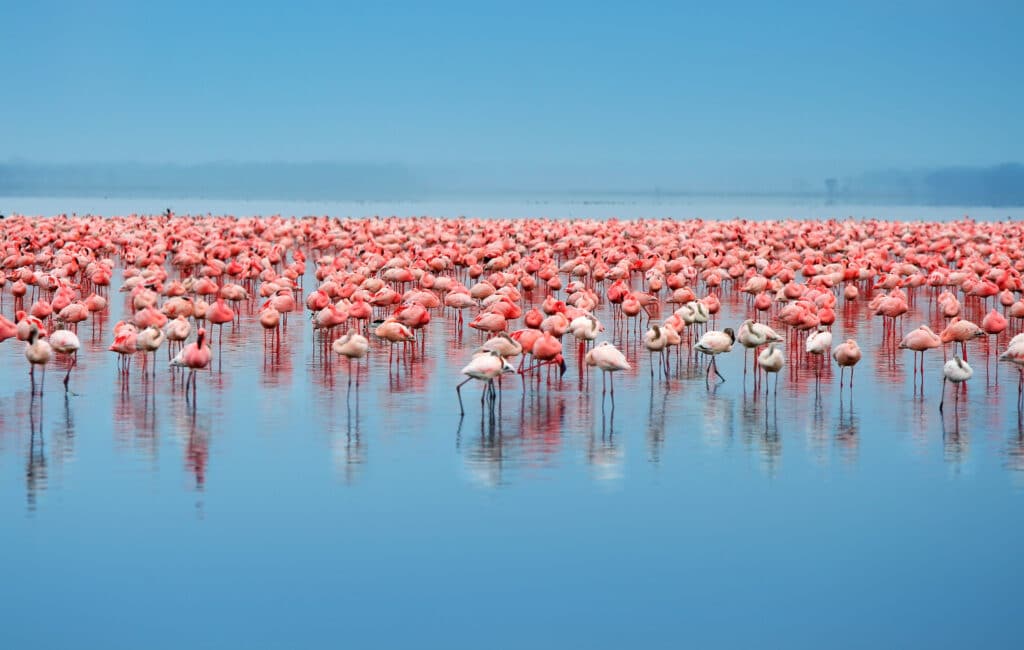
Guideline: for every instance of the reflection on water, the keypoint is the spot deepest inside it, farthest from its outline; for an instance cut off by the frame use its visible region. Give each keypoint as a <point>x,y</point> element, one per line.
<point>1015,446</point>
<point>359,492</point>
<point>290,390</point>
<point>349,449</point>
<point>35,469</point>
<point>847,437</point>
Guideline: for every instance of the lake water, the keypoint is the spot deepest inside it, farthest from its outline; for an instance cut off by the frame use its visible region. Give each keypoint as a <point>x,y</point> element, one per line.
<point>283,511</point>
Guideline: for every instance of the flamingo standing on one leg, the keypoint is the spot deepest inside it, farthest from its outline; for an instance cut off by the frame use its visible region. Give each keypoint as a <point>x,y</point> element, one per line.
<point>957,371</point>
<point>66,342</point>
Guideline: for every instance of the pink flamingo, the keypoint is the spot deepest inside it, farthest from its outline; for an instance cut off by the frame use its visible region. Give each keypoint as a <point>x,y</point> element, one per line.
<point>847,355</point>
<point>194,356</point>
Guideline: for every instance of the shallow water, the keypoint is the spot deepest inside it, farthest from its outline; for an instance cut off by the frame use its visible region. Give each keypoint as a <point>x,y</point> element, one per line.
<point>284,511</point>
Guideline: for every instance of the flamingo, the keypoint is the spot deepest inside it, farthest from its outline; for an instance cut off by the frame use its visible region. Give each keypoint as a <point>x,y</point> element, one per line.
<point>219,313</point>
<point>504,345</point>
<point>957,371</point>
<point>1014,354</point>
<point>125,337</point>
<point>546,349</point>
<point>66,342</point>
<point>394,332</point>
<point>961,331</point>
<point>753,335</point>
<point>819,344</point>
<point>608,359</point>
<point>847,355</point>
<point>714,343</point>
<point>485,367</point>
<point>177,331</point>
<point>771,360</point>
<point>656,341</point>
<point>352,345</point>
<point>150,340</point>
<point>919,341</point>
<point>194,356</point>
<point>38,353</point>
<point>8,330</point>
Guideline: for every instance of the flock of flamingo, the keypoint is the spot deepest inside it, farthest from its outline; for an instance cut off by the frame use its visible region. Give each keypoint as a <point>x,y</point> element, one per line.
<point>530,286</point>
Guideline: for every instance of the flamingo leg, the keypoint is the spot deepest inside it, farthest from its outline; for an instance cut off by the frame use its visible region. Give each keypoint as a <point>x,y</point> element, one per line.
<point>715,366</point>
<point>74,362</point>
<point>458,391</point>
<point>1020,387</point>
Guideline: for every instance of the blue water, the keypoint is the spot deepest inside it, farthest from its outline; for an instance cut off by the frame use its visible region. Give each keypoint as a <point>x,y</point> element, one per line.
<point>283,511</point>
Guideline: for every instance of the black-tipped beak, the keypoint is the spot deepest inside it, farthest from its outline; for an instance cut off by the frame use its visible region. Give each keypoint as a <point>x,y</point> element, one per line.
<point>561,364</point>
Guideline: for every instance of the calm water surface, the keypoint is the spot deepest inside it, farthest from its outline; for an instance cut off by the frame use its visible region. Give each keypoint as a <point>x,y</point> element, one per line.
<point>285,512</point>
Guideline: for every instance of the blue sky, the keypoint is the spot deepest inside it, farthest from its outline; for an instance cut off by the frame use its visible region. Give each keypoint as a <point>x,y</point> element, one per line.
<point>641,90</point>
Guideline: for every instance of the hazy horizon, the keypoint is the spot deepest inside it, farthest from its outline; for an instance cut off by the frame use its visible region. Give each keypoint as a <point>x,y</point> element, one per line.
<point>1001,185</point>
<point>534,97</point>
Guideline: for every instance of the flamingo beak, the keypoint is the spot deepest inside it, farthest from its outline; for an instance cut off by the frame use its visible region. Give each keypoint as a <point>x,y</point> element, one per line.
<point>561,364</point>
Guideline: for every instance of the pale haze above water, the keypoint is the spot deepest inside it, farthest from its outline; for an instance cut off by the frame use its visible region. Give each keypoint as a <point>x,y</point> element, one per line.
<point>580,207</point>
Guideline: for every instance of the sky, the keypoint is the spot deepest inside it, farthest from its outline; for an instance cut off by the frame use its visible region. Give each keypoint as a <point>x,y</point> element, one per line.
<point>638,92</point>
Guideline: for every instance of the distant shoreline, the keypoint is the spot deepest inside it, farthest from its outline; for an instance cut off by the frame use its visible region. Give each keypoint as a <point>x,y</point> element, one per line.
<point>565,206</point>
